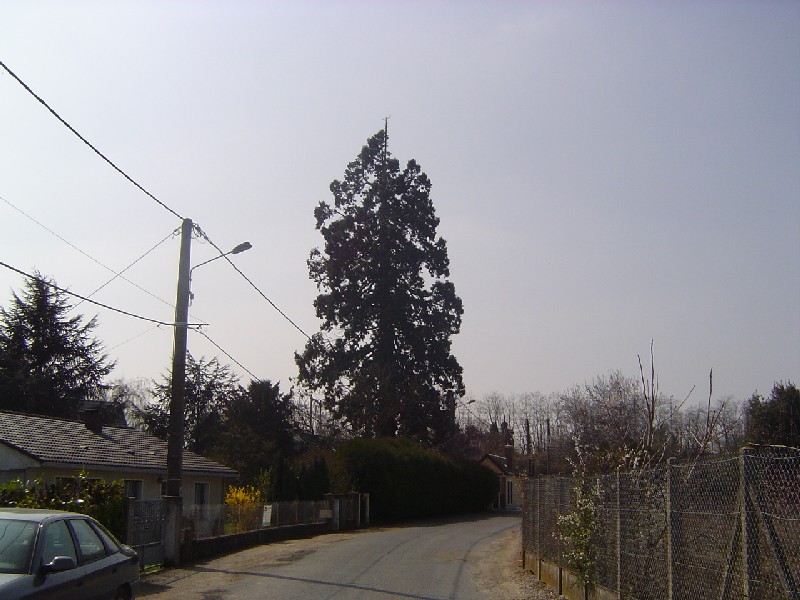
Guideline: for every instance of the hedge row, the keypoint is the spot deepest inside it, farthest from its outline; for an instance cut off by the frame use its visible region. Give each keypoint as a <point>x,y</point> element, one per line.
<point>104,501</point>
<point>406,480</point>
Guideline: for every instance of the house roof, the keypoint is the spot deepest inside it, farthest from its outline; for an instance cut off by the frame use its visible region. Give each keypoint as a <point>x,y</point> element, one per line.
<point>498,461</point>
<point>54,442</point>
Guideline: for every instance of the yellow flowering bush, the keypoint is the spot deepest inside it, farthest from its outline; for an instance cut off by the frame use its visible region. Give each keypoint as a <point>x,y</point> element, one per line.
<point>244,508</point>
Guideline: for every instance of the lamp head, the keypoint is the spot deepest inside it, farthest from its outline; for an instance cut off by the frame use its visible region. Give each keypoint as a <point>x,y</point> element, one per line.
<point>241,248</point>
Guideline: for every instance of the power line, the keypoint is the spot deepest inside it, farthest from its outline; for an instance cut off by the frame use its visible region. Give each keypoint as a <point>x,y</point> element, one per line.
<point>85,141</point>
<point>116,275</point>
<point>162,204</point>
<point>248,280</point>
<point>225,352</point>
<point>92,258</point>
<point>90,301</point>
<point>138,335</point>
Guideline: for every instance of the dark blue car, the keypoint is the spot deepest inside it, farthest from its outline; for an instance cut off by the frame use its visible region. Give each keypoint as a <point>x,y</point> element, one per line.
<point>50,555</point>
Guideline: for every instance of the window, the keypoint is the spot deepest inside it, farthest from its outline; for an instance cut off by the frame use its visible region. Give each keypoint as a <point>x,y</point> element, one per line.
<point>201,494</point>
<point>133,489</point>
<point>58,542</point>
<point>11,475</point>
<point>16,541</point>
<point>111,544</point>
<point>90,543</point>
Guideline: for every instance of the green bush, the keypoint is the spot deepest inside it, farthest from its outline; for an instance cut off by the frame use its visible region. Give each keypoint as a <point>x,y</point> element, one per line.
<point>104,501</point>
<point>406,480</point>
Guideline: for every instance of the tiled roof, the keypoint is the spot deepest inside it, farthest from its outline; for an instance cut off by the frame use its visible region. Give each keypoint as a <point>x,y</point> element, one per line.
<point>58,441</point>
<point>498,461</point>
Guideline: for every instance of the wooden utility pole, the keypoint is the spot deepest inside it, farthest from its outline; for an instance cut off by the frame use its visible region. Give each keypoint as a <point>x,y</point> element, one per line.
<point>173,496</point>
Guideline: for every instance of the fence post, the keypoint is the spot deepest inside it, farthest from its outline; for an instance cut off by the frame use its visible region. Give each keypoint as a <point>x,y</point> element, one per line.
<point>746,524</point>
<point>335,509</point>
<point>619,538</point>
<point>539,528</point>
<point>131,522</point>
<point>670,541</point>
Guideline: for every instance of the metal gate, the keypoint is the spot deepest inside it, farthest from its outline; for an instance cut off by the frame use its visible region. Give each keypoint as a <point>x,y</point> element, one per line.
<point>146,521</point>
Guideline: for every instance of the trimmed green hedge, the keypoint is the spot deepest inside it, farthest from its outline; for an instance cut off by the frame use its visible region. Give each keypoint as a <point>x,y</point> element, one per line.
<point>406,480</point>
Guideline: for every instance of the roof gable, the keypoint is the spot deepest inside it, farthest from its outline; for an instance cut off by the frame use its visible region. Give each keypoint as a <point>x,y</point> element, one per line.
<point>498,462</point>
<point>59,441</point>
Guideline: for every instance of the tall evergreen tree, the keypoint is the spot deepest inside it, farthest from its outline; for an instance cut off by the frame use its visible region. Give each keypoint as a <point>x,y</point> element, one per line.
<point>776,419</point>
<point>49,361</point>
<point>211,387</point>
<point>386,300</point>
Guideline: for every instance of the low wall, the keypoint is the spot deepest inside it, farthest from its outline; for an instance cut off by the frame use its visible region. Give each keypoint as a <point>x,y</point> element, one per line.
<point>562,581</point>
<point>206,548</point>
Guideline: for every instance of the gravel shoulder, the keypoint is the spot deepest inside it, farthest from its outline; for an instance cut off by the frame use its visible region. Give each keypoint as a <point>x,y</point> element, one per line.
<point>497,568</point>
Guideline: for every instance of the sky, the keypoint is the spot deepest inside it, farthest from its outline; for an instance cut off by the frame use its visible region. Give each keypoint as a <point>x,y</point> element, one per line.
<point>605,174</point>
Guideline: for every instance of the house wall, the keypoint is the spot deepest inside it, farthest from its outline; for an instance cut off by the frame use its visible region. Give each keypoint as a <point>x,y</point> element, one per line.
<point>13,461</point>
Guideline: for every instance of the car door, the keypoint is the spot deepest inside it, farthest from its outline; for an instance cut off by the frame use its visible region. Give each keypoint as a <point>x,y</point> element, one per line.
<point>101,569</point>
<point>55,540</point>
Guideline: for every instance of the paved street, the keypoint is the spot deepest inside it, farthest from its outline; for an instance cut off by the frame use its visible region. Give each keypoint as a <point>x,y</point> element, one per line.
<point>459,560</point>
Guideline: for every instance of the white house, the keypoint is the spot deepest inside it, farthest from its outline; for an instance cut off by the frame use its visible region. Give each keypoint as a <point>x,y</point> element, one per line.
<point>48,448</point>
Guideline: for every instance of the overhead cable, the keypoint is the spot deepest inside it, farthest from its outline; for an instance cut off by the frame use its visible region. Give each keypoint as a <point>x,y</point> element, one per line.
<point>85,141</point>
<point>92,258</point>
<point>90,301</point>
<point>248,280</point>
<point>225,352</point>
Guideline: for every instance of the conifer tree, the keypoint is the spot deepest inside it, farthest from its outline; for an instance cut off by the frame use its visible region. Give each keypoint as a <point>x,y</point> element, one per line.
<point>382,359</point>
<point>49,361</point>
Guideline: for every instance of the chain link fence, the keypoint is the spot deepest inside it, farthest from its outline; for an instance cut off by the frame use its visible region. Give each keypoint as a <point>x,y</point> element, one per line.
<point>718,529</point>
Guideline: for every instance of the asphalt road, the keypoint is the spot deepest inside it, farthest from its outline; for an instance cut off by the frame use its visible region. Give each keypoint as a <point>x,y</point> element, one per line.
<point>425,561</point>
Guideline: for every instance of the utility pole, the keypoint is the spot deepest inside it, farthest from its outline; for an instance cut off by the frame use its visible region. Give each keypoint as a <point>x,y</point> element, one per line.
<point>173,496</point>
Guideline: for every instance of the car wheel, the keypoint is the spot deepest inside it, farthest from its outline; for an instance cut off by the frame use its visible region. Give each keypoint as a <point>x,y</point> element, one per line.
<point>122,593</point>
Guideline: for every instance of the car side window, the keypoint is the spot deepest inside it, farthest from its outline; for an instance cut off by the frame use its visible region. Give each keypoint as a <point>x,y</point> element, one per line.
<point>57,541</point>
<point>111,544</point>
<point>90,544</point>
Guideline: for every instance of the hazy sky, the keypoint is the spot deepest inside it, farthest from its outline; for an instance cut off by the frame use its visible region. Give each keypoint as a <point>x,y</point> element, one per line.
<point>605,173</point>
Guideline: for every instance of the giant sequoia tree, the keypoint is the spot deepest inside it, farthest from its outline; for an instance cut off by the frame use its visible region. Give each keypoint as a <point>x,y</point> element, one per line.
<point>49,361</point>
<point>383,358</point>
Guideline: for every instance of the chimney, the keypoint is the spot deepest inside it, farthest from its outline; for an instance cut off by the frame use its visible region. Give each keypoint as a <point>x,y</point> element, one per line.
<point>93,419</point>
<point>509,451</point>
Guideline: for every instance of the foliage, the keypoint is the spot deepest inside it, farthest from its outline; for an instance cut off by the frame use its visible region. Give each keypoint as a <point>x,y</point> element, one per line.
<point>256,432</point>
<point>305,478</point>
<point>240,495</point>
<point>210,388</point>
<point>104,501</point>
<point>385,296</point>
<point>775,420</point>
<point>244,504</point>
<point>578,529</point>
<point>406,480</point>
<point>49,361</point>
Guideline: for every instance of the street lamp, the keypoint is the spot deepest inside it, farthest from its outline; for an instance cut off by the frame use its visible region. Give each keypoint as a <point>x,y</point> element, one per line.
<point>237,250</point>
<point>173,497</point>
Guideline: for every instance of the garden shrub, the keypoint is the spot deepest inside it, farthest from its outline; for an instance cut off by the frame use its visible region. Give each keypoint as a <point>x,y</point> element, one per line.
<point>102,500</point>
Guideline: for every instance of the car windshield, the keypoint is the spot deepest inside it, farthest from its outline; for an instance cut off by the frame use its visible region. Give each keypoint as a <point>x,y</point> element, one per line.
<point>16,543</point>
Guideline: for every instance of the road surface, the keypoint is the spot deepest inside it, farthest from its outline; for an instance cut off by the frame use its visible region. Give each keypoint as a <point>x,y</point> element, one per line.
<point>470,559</point>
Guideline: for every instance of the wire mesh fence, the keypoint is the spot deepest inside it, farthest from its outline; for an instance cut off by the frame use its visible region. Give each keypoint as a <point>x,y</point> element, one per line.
<point>721,529</point>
